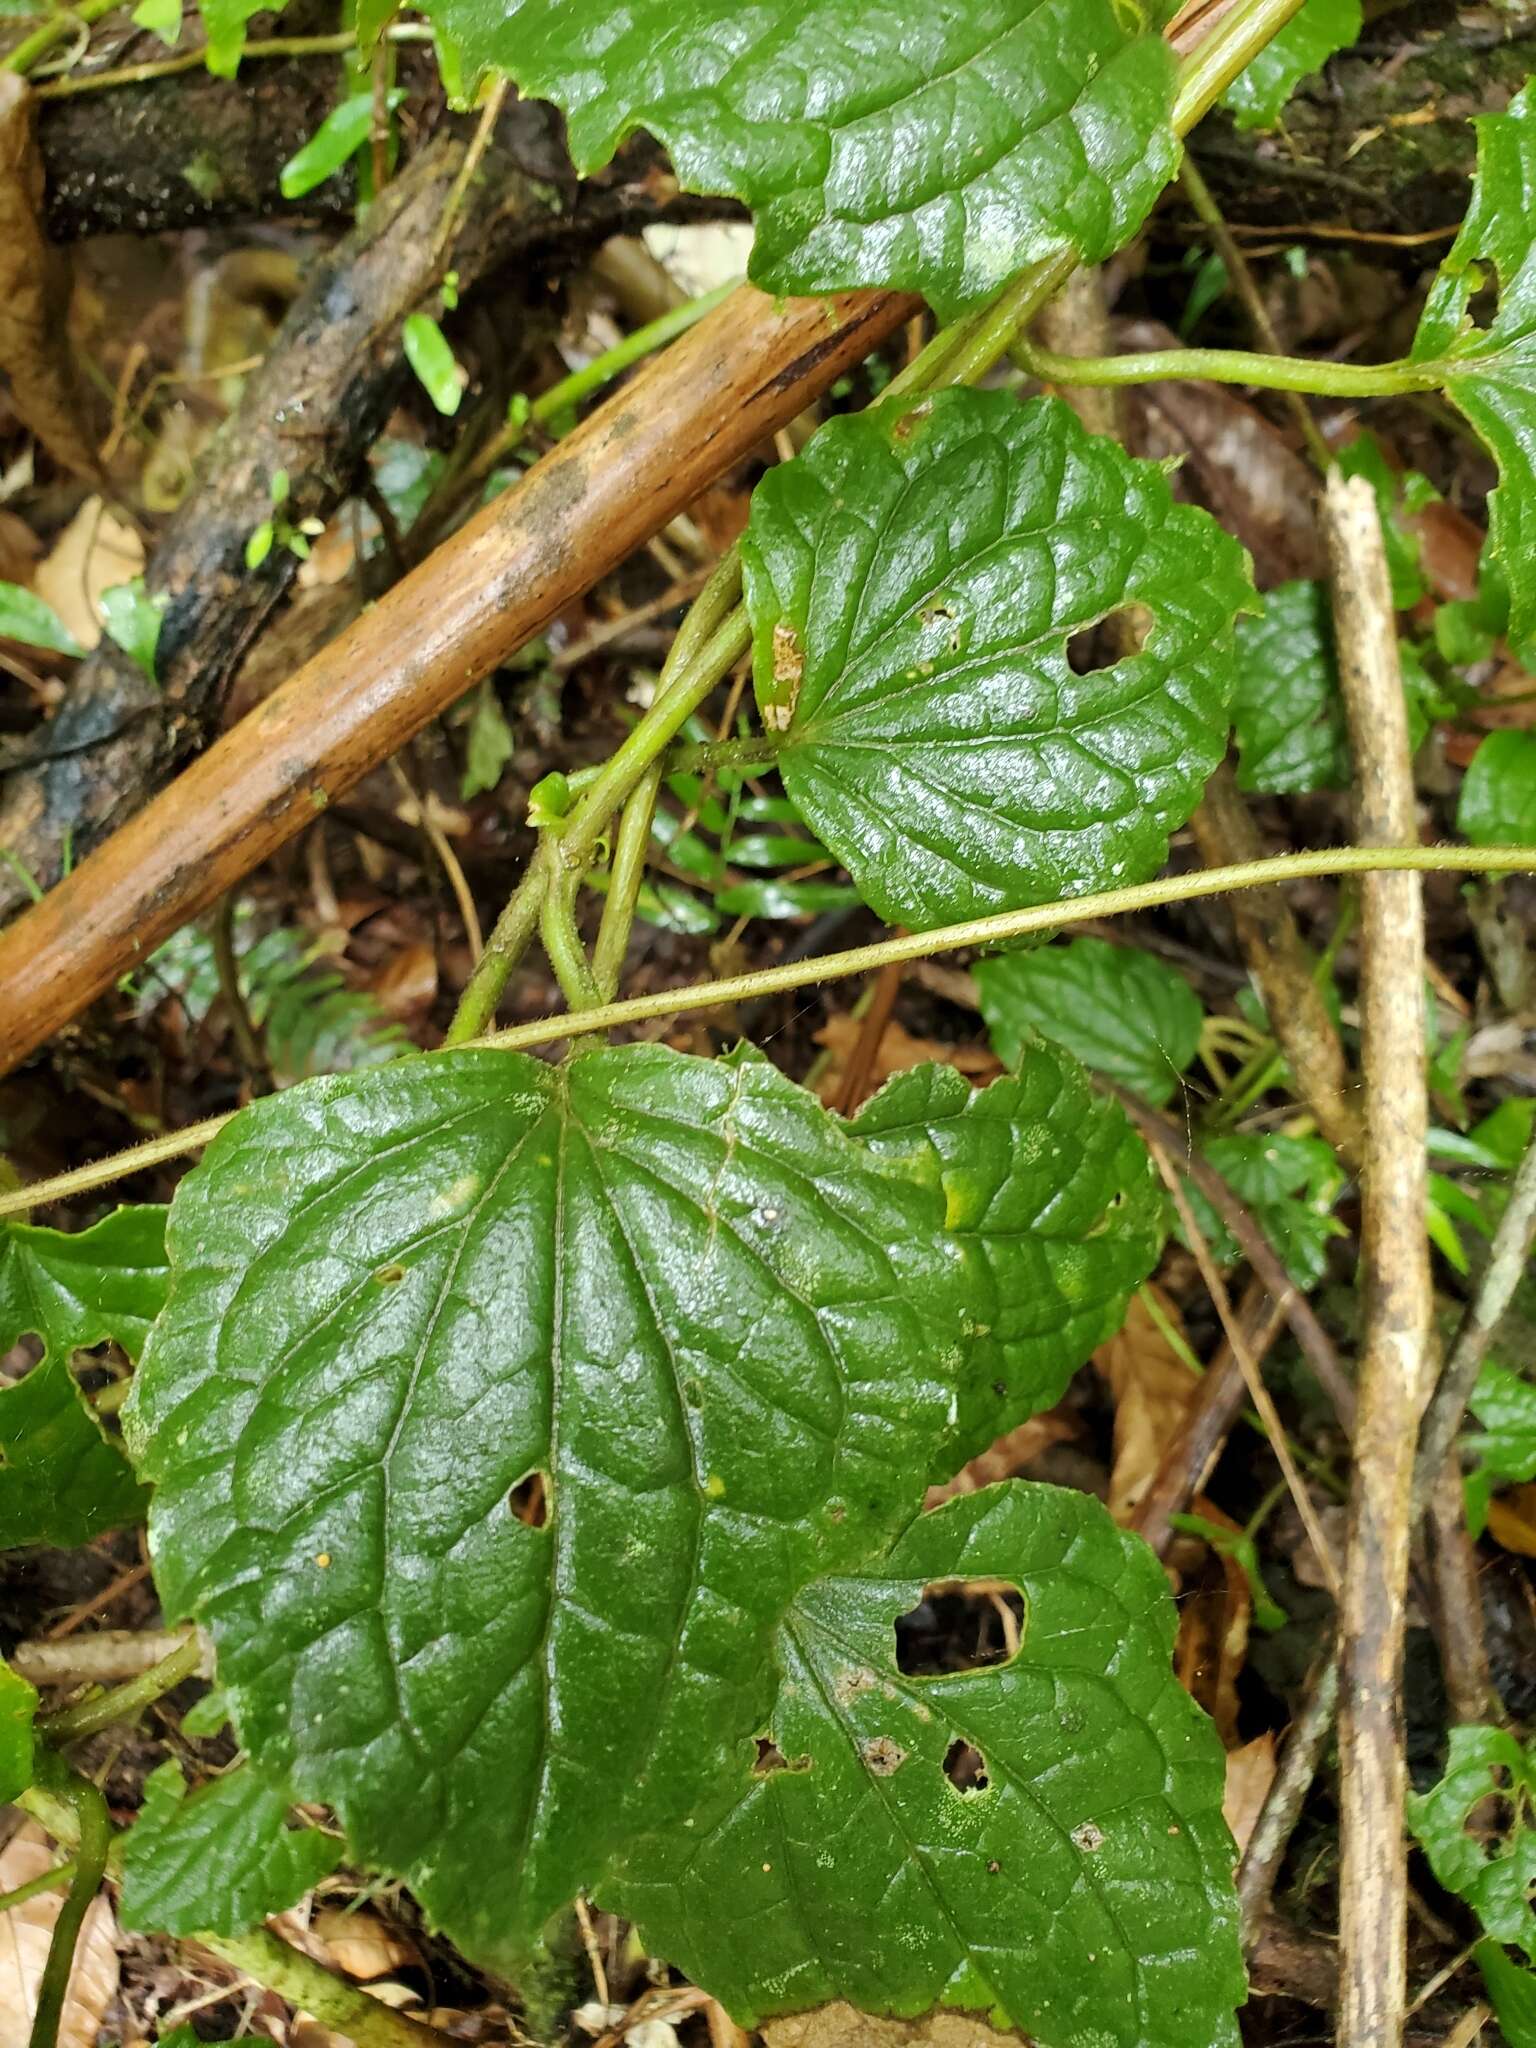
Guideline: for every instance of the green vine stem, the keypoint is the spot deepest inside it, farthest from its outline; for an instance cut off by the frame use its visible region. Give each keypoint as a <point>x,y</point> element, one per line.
<point>1230,48</point>
<point>1234,366</point>
<point>45,1881</point>
<point>570,391</point>
<point>981,931</point>
<point>124,1701</point>
<point>56,29</point>
<point>562,940</point>
<point>713,605</point>
<point>92,1839</point>
<point>257,1955</point>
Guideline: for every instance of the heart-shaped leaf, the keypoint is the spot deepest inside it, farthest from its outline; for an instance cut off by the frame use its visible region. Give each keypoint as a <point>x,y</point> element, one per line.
<point>938,149</point>
<point>919,585</point>
<point>1039,1841</point>
<point>499,1410</point>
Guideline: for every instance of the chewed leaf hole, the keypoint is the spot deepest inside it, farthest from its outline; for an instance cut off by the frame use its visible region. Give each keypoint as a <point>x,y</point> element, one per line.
<point>965,1767</point>
<point>961,1625</point>
<point>771,1759</point>
<point>528,1501</point>
<point>1119,633</point>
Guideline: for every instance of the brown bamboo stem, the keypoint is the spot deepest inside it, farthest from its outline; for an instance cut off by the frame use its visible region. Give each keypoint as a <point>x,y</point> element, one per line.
<point>637,461</point>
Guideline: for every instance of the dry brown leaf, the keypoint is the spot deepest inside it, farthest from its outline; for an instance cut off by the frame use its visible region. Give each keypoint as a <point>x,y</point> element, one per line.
<point>1007,1457</point>
<point>406,985</point>
<point>25,1933</point>
<point>1151,1387</point>
<point>898,1050</point>
<point>1250,1773</point>
<point>34,295</point>
<point>1512,1520</point>
<point>839,2026</point>
<point>359,1944</point>
<point>95,551</point>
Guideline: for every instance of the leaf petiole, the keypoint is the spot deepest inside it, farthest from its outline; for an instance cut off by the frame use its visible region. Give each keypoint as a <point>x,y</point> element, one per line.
<point>1233,366</point>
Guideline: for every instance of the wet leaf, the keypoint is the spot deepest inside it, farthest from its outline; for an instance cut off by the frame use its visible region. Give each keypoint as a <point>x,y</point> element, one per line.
<point>1077,1884</point>
<point>1290,1184</point>
<point>1492,369</point>
<point>62,1480</point>
<point>1257,96</point>
<point>1497,806</point>
<point>914,581</point>
<point>25,617</point>
<point>18,1708</point>
<point>1122,1012</point>
<point>655,1332</point>
<point>132,617</point>
<point>437,370</point>
<point>338,138</point>
<point>35,354</point>
<point>219,1860</point>
<point>1494,1877</point>
<point>876,141</point>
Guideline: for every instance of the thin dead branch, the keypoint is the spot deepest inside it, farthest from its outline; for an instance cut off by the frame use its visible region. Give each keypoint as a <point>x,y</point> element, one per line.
<point>1395,1279</point>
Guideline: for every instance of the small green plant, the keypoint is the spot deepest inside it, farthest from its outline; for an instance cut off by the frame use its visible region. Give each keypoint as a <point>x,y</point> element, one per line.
<point>279,530</point>
<point>544,1448</point>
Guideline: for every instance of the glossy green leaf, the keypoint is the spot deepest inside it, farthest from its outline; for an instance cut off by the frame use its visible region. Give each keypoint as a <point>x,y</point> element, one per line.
<point>1511,1993</point>
<point>338,138</point>
<point>1492,369</point>
<point>18,1707</point>
<point>436,366</point>
<point>1052,1197</point>
<point>161,17</point>
<point>1504,1446</point>
<point>219,1861</point>
<point>1290,1184</point>
<point>1083,1893</point>
<point>488,744</point>
<point>1497,806</point>
<point>132,617</point>
<point>939,149</point>
<point>1495,1878</point>
<point>780,899</point>
<point>1287,709</point>
<point>1123,1012</point>
<point>654,1333</point>
<point>62,1481</point>
<point>914,580</point>
<point>225,22</point>
<point>1400,494</point>
<point>25,617</point>
<point>1257,96</point>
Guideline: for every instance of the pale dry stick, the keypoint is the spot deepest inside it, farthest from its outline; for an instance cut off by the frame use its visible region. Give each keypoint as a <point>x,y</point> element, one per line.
<point>993,930</point>
<point>1442,1419</point>
<point>1237,1338</point>
<point>107,1657</point>
<point>1395,1280</point>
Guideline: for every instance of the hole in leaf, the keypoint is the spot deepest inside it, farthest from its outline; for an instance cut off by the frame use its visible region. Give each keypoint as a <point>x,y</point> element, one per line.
<point>528,1501</point>
<point>882,1757</point>
<point>771,1759</point>
<point>1119,633</point>
<point>961,1625</point>
<point>965,1767</point>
